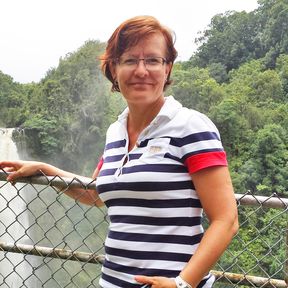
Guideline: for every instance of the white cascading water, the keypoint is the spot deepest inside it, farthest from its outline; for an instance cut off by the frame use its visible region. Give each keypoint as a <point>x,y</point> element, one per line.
<point>14,269</point>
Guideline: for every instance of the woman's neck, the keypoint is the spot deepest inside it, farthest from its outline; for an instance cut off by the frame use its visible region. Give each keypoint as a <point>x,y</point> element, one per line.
<point>140,116</point>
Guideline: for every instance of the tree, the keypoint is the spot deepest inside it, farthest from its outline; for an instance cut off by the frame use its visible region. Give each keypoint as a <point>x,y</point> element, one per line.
<point>232,124</point>
<point>233,38</point>
<point>194,88</point>
<point>12,102</point>
<point>282,70</point>
<point>269,162</point>
<point>274,13</point>
<point>230,40</point>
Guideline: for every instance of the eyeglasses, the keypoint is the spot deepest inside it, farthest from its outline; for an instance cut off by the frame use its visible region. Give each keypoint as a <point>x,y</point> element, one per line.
<point>151,63</point>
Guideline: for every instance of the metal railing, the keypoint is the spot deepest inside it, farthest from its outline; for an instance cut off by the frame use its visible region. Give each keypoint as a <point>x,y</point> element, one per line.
<point>49,240</point>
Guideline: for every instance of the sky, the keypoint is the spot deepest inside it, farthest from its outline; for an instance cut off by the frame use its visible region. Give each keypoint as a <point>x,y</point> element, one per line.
<point>35,34</point>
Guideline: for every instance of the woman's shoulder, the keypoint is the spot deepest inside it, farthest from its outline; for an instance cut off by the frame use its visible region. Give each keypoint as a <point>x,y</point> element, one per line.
<point>194,120</point>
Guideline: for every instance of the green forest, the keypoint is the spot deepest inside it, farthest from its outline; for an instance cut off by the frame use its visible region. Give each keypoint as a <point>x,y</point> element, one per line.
<point>238,77</point>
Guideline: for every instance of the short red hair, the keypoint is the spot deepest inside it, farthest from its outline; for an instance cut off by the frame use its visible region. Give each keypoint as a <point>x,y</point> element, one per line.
<point>127,35</point>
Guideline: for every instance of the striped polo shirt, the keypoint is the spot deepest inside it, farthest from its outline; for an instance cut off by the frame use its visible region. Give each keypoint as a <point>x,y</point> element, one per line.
<point>154,212</point>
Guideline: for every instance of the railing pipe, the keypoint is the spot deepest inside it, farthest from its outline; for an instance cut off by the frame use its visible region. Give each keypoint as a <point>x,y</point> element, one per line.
<point>255,281</point>
<point>88,183</point>
<point>55,181</point>
<point>268,202</point>
<point>52,252</point>
<point>58,253</point>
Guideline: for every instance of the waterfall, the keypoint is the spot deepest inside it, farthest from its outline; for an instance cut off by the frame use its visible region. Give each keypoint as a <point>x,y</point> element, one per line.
<point>14,268</point>
<point>45,219</point>
<point>8,150</point>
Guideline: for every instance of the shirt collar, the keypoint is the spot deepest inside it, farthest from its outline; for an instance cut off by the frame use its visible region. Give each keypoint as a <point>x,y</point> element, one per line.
<point>169,110</point>
<point>122,118</point>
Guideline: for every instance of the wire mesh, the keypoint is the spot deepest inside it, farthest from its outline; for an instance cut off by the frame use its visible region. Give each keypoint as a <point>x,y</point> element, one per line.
<point>50,240</point>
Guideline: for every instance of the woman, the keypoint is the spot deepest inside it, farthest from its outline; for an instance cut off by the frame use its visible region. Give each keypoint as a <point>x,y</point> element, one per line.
<point>162,165</point>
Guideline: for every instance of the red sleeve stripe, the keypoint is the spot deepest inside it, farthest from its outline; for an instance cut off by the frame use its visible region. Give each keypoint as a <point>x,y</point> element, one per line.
<point>200,161</point>
<point>100,163</point>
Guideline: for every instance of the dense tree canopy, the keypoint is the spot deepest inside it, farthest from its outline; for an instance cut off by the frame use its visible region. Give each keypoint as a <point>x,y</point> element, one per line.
<point>238,76</point>
<point>234,38</point>
<point>65,116</point>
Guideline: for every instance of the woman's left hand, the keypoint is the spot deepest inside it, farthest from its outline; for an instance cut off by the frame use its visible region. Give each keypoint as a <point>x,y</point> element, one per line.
<point>156,282</point>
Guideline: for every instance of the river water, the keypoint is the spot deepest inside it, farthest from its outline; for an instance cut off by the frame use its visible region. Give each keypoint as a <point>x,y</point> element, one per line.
<point>14,269</point>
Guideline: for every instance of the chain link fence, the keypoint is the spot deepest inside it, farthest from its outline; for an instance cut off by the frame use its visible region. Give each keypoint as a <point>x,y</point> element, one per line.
<point>49,240</point>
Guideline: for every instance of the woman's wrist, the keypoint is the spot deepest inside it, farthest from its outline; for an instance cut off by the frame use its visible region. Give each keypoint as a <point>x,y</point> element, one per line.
<point>181,283</point>
<point>48,169</point>
<point>43,167</point>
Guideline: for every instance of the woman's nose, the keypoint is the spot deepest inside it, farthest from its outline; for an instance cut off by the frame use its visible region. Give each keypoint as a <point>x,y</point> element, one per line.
<point>141,68</point>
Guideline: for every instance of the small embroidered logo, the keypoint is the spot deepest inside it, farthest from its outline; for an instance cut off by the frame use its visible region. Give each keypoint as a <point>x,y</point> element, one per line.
<point>155,149</point>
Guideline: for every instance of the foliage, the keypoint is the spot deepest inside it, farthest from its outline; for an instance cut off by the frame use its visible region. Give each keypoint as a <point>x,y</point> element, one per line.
<point>230,40</point>
<point>11,102</point>
<point>267,171</point>
<point>234,38</point>
<point>66,115</point>
<point>194,88</point>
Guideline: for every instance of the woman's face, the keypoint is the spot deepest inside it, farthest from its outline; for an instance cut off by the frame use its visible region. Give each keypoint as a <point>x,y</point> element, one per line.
<point>142,83</point>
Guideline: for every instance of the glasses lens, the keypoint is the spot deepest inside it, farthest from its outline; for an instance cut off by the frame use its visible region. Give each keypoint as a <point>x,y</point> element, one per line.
<point>130,62</point>
<point>151,63</point>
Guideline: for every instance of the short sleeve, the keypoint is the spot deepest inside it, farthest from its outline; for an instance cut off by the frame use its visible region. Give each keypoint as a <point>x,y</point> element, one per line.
<point>202,147</point>
<point>100,163</point>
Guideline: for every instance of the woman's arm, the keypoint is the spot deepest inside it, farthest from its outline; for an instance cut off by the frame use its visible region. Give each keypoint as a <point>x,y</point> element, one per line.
<point>29,168</point>
<point>215,191</point>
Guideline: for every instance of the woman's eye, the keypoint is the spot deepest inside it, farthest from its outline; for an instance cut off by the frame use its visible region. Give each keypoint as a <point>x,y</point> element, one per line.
<point>130,61</point>
<point>152,61</point>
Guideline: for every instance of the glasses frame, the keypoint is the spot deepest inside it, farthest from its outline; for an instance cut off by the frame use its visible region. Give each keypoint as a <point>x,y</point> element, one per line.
<point>149,67</point>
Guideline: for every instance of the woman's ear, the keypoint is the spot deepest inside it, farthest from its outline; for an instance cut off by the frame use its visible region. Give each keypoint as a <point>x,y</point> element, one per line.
<point>112,69</point>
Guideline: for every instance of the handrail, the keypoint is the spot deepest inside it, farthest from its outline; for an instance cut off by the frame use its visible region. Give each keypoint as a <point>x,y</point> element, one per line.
<point>239,279</point>
<point>244,279</point>
<point>63,183</point>
<point>58,253</point>
<point>268,202</point>
<point>55,181</point>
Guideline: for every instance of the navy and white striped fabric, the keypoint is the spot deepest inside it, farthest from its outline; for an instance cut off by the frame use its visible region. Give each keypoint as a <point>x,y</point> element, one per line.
<point>155,214</point>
